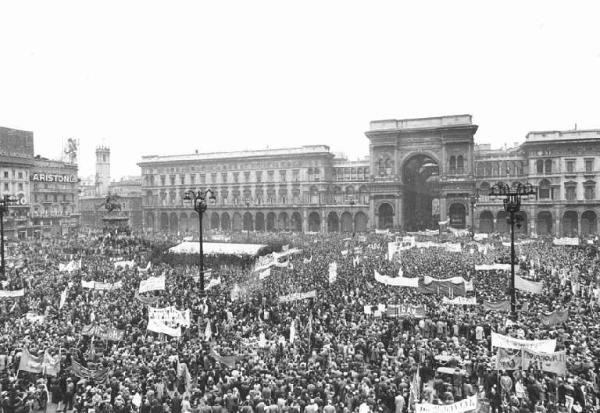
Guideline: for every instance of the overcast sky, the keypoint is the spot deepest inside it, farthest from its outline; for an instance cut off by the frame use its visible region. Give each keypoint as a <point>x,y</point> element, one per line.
<point>170,77</point>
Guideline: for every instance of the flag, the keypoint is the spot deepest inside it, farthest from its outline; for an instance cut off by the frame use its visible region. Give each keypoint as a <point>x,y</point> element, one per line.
<point>292,332</point>
<point>415,390</point>
<point>99,376</point>
<point>207,332</point>
<point>51,365</point>
<point>309,325</point>
<point>30,363</point>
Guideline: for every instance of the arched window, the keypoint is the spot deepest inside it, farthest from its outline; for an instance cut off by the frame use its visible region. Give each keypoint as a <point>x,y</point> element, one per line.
<point>452,164</point>
<point>539,166</point>
<point>460,164</point>
<point>544,189</point>
<point>548,166</point>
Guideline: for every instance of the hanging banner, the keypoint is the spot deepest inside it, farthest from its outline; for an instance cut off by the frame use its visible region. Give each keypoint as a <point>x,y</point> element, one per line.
<point>397,281</point>
<point>382,231</point>
<point>97,285</point>
<point>468,404</point>
<point>103,333</point>
<point>496,305</point>
<point>507,361</point>
<point>492,267</point>
<point>171,316</point>
<point>152,284</point>
<point>158,327</point>
<point>460,301</point>
<point>402,310</point>
<point>529,286</point>
<point>554,318</point>
<point>550,362</point>
<point>543,346</point>
<point>480,236</point>
<point>30,363</point>
<point>12,293</point>
<point>450,287</point>
<point>297,296</point>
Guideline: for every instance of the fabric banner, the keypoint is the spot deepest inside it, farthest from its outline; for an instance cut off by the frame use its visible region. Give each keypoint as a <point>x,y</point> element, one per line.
<point>297,296</point>
<point>12,293</point>
<point>146,300</point>
<point>458,232</point>
<point>213,283</point>
<point>397,281</point>
<point>159,327</point>
<point>51,364</point>
<point>171,316</point>
<point>63,298</point>
<point>468,404</point>
<point>460,301</point>
<point>552,362</point>
<point>264,274</point>
<point>507,361</point>
<point>450,287</point>
<point>402,310</point>
<point>123,264</point>
<point>496,305</point>
<point>382,231</point>
<point>332,272</point>
<point>554,318</point>
<point>543,346</point>
<point>152,284</point>
<point>99,376</point>
<point>102,332</point>
<point>35,318</point>
<point>529,286</point>
<point>566,241</point>
<point>97,285</point>
<point>145,270</point>
<point>71,266</point>
<point>492,267</point>
<point>480,236</point>
<point>30,363</point>
<point>228,361</point>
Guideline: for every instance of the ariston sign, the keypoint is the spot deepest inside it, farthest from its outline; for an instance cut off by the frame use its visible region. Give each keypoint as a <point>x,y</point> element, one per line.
<point>43,177</point>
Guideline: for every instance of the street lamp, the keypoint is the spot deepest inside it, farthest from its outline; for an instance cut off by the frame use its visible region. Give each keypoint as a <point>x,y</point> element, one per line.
<point>200,203</point>
<point>512,205</point>
<point>247,223</point>
<point>352,203</point>
<point>5,202</point>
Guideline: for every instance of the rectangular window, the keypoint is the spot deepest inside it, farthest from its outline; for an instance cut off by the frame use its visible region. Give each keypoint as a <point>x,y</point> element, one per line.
<point>296,175</point>
<point>213,178</point>
<point>282,176</point>
<point>6,186</point>
<point>571,193</point>
<point>247,176</point>
<point>224,177</point>
<point>6,174</point>
<point>20,186</point>
<point>258,176</point>
<point>570,165</point>
<point>193,178</point>
<point>236,177</point>
<point>162,180</point>
<point>182,178</point>
<point>20,175</point>
<point>589,192</point>
<point>544,192</point>
<point>202,179</point>
<point>271,176</point>
<point>589,165</point>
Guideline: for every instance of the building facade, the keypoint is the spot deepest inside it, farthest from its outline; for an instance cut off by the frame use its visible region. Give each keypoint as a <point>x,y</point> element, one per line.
<point>419,172</point>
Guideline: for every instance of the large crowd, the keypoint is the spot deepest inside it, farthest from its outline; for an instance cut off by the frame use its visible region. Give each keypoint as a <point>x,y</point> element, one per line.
<point>246,351</point>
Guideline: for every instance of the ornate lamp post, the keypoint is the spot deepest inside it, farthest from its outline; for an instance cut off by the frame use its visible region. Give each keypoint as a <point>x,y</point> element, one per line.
<point>247,223</point>
<point>473,199</point>
<point>5,202</point>
<point>200,202</point>
<point>512,205</point>
<point>352,202</point>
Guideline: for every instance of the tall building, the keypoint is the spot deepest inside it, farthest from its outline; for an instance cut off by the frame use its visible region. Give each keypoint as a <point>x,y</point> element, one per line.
<point>418,172</point>
<point>102,170</point>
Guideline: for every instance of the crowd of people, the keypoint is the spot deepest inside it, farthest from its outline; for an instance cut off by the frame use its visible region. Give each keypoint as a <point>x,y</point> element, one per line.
<point>335,351</point>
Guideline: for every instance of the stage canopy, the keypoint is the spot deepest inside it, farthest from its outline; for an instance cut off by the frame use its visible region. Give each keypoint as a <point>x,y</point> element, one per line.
<point>217,248</point>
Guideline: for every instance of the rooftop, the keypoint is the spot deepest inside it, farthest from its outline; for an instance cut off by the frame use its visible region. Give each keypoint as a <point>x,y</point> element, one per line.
<point>545,136</point>
<point>302,150</point>
<point>421,123</point>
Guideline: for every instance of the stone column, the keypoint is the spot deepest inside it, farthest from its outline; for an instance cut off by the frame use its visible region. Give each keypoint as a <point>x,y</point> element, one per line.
<point>443,208</point>
<point>398,216</point>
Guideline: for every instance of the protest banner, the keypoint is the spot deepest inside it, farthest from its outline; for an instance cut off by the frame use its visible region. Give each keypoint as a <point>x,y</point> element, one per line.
<point>297,296</point>
<point>543,346</point>
<point>460,301</point>
<point>554,318</point>
<point>468,404</point>
<point>152,284</point>
<point>396,281</point>
<point>507,361</point>
<point>171,316</point>
<point>492,267</point>
<point>496,305</point>
<point>566,241</point>
<point>99,376</point>
<point>529,286</point>
<point>332,272</point>
<point>12,293</point>
<point>551,362</point>
<point>405,310</point>
<point>146,300</point>
<point>159,327</point>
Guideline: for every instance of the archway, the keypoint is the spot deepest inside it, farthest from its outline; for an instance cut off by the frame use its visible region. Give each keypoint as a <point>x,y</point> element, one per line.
<point>501,224</point>
<point>183,222</point>
<point>347,222</point>
<point>271,221</point>
<point>260,221</point>
<point>236,223</point>
<point>150,221</point>
<point>282,221</point>
<point>225,222</point>
<point>360,222</point>
<point>173,223</point>
<point>458,215</point>
<point>420,175</point>
<point>543,223</point>
<point>570,225</point>
<point>333,222</point>
<point>588,223</point>
<point>314,222</point>
<point>214,220</point>
<point>164,222</point>
<point>248,222</point>
<point>296,223</point>
<point>486,222</point>
<point>386,216</point>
